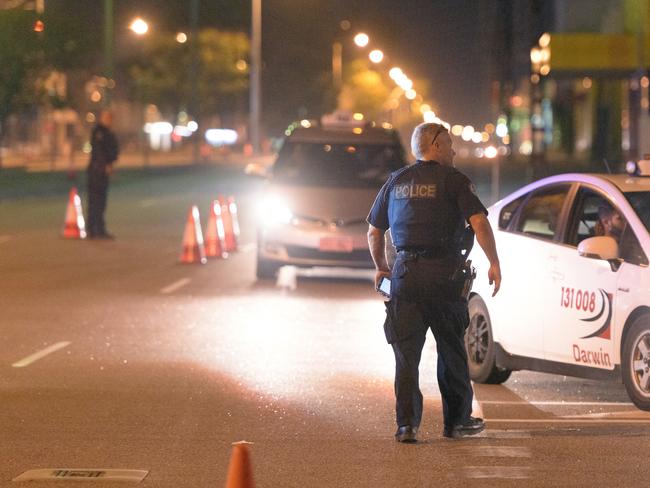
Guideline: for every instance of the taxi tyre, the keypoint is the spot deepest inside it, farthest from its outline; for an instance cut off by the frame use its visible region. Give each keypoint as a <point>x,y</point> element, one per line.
<point>266,270</point>
<point>481,349</point>
<point>633,377</point>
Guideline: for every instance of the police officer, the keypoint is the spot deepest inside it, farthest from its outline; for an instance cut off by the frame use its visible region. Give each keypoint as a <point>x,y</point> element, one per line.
<point>425,206</point>
<point>105,151</point>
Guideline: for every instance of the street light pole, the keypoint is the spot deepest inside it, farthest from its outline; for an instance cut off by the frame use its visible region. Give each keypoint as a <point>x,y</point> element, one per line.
<point>108,45</point>
<point>194,74</point>
<point>255,73</point>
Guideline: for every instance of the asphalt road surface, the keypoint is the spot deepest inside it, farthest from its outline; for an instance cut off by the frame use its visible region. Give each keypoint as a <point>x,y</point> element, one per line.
<point>115,356</point>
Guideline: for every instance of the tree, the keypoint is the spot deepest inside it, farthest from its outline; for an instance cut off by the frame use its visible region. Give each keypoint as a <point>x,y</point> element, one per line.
<point>161,73</point>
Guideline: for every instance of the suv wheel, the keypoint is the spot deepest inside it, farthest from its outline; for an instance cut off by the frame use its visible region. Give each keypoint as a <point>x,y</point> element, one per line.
<point>481,351</point>
<point>635,362</point>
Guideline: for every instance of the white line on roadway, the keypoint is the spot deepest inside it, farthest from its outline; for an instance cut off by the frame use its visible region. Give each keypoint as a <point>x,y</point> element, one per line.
<point>598,404</point>
<point>565,420</point>
<point>249,247</point>
<point>4,239</point>
<point>40,354</point>
<point>175,285</point>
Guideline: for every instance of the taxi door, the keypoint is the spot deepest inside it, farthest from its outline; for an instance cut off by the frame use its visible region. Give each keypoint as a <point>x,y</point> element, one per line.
<point>580,298</point>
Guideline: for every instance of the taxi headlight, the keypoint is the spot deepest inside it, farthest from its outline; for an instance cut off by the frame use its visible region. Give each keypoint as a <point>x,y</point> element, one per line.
<point>273,210</point>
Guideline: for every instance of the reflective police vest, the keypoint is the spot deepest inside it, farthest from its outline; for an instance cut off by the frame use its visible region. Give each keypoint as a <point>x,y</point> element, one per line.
<point>421,213</point>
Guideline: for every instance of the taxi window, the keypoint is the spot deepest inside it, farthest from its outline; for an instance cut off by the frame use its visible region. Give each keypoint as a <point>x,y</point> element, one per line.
<point>584,218</point>
<point>508,212</point>
<point>540,214</point>
<point>629,249</point>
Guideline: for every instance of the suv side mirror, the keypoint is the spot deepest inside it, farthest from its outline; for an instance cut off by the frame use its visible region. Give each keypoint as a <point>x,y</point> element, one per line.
<point>600,247</point>
<point>256,169</point>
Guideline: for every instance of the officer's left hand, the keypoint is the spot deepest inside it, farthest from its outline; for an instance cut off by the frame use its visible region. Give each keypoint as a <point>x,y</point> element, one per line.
<point>379,275</point>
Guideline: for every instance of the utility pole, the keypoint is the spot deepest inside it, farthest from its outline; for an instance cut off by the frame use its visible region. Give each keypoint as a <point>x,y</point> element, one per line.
<point>108,45</point>
<point>255,74</point>
<point>194,74</point>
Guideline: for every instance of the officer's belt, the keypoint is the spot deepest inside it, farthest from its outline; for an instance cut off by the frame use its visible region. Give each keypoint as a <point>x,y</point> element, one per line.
<point>433,253</point>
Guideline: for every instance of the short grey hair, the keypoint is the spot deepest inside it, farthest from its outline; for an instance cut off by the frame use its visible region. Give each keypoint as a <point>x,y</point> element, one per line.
<point>422,137</point>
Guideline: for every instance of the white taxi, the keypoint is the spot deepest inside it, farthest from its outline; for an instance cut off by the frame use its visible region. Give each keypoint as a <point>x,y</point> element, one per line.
<point>575,298</point>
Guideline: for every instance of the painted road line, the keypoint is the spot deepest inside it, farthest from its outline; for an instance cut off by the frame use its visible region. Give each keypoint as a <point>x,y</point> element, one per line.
<point>506,434</point>
<point>477,410</point>
<point>499,451</point>
<point>249,247</point>
<point>148,202</point>
<point>637,414</point>
<point>75,474</point>
<point>501,472</point>
<point>564,420</point>
<point>522,402</point>
<point>40,354</point>
<point>175,286</point>
<point>4,239</point>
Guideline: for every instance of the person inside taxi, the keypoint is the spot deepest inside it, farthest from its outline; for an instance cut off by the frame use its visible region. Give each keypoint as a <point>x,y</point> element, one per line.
<point>610,222</point>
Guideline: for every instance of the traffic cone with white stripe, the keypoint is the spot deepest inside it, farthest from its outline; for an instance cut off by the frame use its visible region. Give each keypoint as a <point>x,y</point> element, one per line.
<point>193,247</point>
<point>230,223</point>
<point>74,226</point>
<point>240,471</point>
<point>214,233</point>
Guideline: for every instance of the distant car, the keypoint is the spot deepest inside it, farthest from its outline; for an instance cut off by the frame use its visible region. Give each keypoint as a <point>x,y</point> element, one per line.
<point>319,192</point>
<point>573,301</point>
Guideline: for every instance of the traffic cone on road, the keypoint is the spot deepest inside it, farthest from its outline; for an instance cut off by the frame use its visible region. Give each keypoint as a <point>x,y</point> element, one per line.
<point>240,471</point>
<point>74,226</point>
<point>230,223</point>
<point>193,248</point>
<point>214,234</point>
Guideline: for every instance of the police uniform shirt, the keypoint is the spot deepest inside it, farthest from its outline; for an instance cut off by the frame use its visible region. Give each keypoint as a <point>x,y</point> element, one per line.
<point>425,205</point>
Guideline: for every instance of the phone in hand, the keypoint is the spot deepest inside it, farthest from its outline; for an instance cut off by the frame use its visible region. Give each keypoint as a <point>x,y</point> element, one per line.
<point>384,287</point>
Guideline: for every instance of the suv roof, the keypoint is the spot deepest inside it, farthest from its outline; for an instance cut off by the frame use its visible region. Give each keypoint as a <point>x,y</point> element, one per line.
<point>346,135</point>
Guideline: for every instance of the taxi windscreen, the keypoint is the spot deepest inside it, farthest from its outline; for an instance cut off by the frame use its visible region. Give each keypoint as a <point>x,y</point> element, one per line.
<point>351,165</point>
<point>640,201</point>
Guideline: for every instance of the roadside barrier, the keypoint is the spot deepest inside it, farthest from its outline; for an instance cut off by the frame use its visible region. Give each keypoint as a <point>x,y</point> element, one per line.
<point>240,471</point>
<point>230,223</point>
<point>193,247</point>
<point>215,233</point>
<point>74,226</point>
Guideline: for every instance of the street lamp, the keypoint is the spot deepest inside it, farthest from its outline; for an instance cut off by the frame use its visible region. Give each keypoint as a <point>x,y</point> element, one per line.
<point>139,26</point>
<point>376,56</point>
<point>361,39</point>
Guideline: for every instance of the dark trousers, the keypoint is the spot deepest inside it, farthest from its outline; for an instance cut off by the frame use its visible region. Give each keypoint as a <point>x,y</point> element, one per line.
<point>423,298</point>
<point>97,194</point>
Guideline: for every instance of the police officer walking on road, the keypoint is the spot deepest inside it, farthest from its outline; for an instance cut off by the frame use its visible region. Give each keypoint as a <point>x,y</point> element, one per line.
<point>425,206</point>
<point>105,151</point>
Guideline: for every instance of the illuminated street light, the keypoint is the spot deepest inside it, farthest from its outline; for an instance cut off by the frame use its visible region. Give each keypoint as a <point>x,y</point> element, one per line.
<point>376,56</point>
<point>181,38</point>
<point>139,26</point>
<point>395,73</point>
<point>410,94</point>
<point>361,39</point>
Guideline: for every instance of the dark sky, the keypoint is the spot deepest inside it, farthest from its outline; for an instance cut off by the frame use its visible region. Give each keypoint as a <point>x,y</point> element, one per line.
<point>443,41</point>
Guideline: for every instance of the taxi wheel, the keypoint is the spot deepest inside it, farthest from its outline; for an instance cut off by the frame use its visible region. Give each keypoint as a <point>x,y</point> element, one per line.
<point>635,362</point>
<point>481,351</point>
<point>266,270</point>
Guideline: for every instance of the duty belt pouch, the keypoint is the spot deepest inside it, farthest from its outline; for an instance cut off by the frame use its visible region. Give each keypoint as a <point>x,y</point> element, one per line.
<point>463,278</point>
<point>403,318</point>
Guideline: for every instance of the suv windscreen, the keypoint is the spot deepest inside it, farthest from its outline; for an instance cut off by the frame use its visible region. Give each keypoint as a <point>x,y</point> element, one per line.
<point>640,201</point>
<point>351,165</point>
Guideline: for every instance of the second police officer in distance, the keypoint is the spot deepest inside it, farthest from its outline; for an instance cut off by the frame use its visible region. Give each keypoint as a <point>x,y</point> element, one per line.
<point>425,206</point>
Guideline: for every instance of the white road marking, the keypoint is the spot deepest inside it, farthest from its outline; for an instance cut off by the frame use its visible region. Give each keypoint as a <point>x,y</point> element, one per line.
<point>175,286</point>
<point>477,410</point>
<point>148,202</point>
<point>40,354</point>
<point>498,451</point>
<point>249,247</point>
<point>506,434</point>
<point>4,239</point>
<point>638,414</point>
<point>565,420</point>
<point>504,472</point>
<point>522,402</point>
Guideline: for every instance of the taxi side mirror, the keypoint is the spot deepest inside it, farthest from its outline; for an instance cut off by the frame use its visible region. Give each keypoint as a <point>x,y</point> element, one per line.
<point>600,247</point>
<point>256,169</point>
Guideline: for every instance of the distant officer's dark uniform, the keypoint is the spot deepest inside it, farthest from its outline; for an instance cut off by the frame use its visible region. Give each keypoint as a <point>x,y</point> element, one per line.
<point>425,205</point>
<point>105,151</point>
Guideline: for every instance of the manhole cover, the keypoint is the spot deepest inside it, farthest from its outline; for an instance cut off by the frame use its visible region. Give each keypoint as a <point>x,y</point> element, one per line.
<point>131,475</point>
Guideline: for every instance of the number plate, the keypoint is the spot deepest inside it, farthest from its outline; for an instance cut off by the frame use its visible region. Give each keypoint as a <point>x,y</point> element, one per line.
<point>336,244</point>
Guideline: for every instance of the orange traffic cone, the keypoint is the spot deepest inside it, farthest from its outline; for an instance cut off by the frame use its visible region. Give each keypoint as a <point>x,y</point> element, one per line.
<point>230,223</point>
<point>193,248</point>
<point>240,471</point>
<point>214,234</point>
<point>74,226</point>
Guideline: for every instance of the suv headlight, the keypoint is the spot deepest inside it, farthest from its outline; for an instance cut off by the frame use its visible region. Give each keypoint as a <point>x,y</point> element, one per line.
<point>273,210</point>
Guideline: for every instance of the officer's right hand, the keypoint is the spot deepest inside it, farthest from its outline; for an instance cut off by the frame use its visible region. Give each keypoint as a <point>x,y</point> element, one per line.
<point>494,275</point>
<point>379,274</point>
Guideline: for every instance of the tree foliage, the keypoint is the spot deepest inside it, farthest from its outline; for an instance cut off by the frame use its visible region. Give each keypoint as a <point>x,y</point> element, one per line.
<point>162,72</point>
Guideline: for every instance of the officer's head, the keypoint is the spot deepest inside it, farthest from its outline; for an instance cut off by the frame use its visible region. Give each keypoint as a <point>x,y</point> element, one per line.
<point>106,118</point>
<point>432,142</point>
